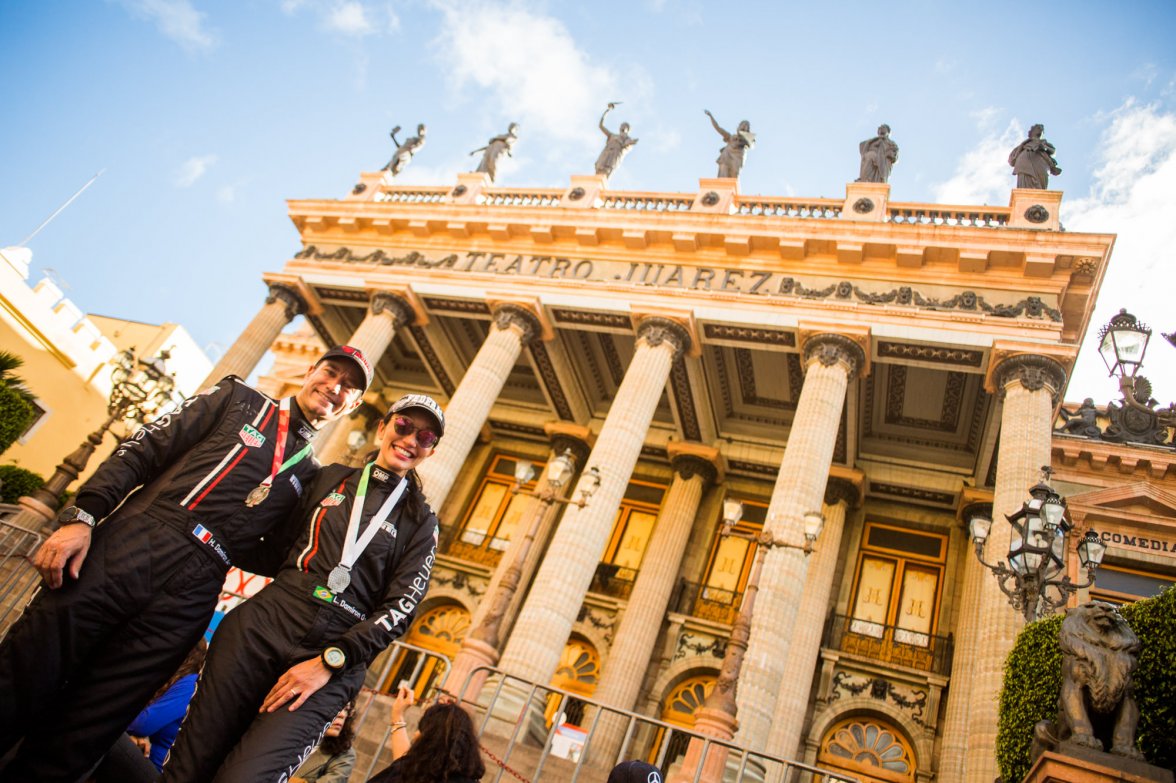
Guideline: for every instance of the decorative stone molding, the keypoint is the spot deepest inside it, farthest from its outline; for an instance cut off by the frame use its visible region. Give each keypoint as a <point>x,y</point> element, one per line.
<point>863,206</point>
<point>831,349</point>
<point>401,310</point>
<point>690,465</point>
<point>655,331</point>
<point>1037,214</point>
<point>1033,372</point>
<point>289,296</point>
<point>508,315</point>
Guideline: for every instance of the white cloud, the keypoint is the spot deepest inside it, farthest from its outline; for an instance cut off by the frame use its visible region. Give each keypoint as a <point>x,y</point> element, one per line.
<point>352,18</point>
<point>176,19</point>
<point>227,194</point>
<point>983,174</point>
<point>1134,196</point>
<point>193,169</point>
<point>532,67</point>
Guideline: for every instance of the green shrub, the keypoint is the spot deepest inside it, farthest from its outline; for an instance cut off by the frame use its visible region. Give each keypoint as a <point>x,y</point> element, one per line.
<point>18,482</point>
<point>15,416</point>
<point>1033,681</point>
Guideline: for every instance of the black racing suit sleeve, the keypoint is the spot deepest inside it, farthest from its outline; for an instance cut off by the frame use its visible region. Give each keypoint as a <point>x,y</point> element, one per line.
<point>402,595</point>
<point>153,448</point>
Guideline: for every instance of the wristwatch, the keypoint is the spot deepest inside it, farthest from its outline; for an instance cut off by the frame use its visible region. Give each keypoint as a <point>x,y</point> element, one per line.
<point>74,515</point>
<point>334,659</point>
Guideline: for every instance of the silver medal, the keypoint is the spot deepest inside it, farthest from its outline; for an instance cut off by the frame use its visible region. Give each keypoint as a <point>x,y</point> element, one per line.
<point>259,494</point>
<point>339,579</point>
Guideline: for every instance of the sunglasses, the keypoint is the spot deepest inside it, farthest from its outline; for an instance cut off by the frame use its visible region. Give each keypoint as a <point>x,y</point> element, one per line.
<point>425,438</point>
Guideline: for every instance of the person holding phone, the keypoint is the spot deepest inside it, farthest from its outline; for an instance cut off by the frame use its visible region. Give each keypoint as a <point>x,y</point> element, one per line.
<point>285,662</point>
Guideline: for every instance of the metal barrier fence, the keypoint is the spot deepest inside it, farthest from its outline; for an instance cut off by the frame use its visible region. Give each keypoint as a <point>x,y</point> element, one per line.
<point>18,579</point>
<point>528,724</point>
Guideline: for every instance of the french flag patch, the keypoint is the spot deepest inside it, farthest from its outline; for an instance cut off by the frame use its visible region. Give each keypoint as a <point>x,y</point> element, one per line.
<point>203,534</point>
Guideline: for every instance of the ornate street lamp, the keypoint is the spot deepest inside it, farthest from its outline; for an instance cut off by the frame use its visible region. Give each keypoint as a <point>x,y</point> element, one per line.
<point>1122,344</point>
<point>559,470</point>
<point>142,391</point>
<point>718,714</point>
<point>1037,552</point>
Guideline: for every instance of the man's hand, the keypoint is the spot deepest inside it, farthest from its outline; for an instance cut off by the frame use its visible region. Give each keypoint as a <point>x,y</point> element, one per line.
<point>67,547</point>
<point>298,683</point>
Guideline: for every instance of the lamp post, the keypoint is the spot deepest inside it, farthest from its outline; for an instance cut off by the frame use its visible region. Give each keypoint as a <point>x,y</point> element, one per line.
<point>1036,556</point>
<point>141,391</point>
<point>559,470</point>
<point>718,715</point>
<point>1122,344</point>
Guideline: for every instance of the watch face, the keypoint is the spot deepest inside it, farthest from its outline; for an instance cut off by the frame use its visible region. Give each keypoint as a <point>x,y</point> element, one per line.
<point>334,657</point>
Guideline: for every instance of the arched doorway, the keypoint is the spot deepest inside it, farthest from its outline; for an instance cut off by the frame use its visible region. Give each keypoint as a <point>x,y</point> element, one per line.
<point>578,672</point>
<point>679,709</point>
<point>870,748</point>
<point>440,630</point>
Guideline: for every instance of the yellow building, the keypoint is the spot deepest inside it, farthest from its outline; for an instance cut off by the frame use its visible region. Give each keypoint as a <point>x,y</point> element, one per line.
<point>893,366</point>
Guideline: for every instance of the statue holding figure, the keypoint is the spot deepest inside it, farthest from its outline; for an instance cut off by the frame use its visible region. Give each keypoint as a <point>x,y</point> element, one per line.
<point>616,145</point>
<point>732,155</point>
<point>405,151</point>
<point>878,155</point>
<point>1033,160</point>
<point>495,148</point>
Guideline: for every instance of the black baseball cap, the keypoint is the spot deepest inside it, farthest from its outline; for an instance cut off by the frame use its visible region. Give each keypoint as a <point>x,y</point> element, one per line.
<point>353,355</point>
<point>635,772</point>
<point>424,403</point>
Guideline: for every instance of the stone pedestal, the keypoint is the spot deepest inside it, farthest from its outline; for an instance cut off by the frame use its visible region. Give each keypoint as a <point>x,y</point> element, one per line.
<point>1082,765</point>
<point>866,201</point>
<point>713,723</point>
<point>1035,208</point>
<point>716,194</point>
<point>584,192</point>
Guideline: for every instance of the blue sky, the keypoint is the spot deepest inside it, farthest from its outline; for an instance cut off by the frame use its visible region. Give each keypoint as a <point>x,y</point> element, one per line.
<point>207,116</point>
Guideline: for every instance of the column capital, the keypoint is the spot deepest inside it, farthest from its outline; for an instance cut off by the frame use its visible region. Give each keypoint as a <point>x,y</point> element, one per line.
<point>1033,371</point>
<point>399,308</point>
<point>691,459</point>
<point>289,296</point>
<point>565,436</point>
<point>656,330</point>
<point>972,501</point>
<point>507,315</point>
<point>830,349</point>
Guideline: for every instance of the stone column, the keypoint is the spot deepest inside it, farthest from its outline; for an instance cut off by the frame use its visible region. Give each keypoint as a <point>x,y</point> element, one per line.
<point>470,406</point>
<point>954,746</point>
<point>480,646</point>
<point>1030,386</point>
<point>283,303</point>
<point>804,651</point>
<point>387,312</point>
<point>546,619</point>
<point>831,361</point>
<point>628,658</point>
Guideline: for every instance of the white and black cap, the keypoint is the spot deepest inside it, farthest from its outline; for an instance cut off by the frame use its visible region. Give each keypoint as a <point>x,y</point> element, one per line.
<point>425,404</point>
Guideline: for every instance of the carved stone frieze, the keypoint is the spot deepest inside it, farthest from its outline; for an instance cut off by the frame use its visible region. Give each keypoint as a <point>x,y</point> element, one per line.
<point>1033,372</point>
<point>400,310</point>
<point>551,381</point>
<point>749,334</point>
<point>930,353</point>
<point>911,700</point>
<point>684,398</point>
<point>509,315</point>
<point>655,331</point>
<point>289,296</point>
<point>916,494</point>
<point>699,644</point>
<point>430,357</point>
<point>833,349</point>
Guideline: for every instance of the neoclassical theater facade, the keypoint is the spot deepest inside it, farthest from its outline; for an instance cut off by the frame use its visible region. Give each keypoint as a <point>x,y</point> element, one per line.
<point>893,366</point>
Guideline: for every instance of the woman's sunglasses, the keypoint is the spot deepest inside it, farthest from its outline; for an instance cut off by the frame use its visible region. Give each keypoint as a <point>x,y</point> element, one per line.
<point>425,438</point>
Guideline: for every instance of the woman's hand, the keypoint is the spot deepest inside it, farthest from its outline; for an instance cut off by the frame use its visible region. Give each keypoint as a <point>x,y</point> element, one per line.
<point>405,698</point>
<point>298,683</point>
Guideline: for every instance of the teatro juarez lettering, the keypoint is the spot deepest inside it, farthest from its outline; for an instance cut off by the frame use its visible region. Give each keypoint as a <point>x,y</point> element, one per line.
<point>1139,542</point>
<point>742,280</point>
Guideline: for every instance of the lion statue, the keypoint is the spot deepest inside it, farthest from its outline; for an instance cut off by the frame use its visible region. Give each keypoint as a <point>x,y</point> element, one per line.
<point>1097,705</point>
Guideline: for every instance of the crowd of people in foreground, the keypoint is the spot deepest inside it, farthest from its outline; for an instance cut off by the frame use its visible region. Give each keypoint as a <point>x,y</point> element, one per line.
<point>105,676</point>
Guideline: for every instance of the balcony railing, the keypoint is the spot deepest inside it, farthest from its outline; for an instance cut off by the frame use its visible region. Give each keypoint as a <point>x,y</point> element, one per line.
<point>889,644</point>
<point>612,580</point>
<point>706,603</point>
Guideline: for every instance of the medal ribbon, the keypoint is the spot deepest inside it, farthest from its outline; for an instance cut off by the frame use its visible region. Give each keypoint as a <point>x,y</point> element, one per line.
<point>353,544</point>
<point>280,445</point>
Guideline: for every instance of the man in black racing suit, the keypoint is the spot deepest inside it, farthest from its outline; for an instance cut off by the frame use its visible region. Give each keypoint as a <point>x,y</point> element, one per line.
<point>214,478</point>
